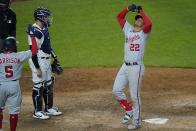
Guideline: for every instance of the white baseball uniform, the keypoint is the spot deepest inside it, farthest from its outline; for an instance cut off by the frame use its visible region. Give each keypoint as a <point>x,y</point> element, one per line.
<point>43,59</point>
<point>132,69</point>
<point>43,86</point>
<point>10,73</point>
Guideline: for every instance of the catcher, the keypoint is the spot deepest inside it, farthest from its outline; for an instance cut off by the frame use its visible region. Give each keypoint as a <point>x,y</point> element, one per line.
<point>40,65</point>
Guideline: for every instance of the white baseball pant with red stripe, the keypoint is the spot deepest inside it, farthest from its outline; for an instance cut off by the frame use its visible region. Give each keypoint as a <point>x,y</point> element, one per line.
<point>131,75</point>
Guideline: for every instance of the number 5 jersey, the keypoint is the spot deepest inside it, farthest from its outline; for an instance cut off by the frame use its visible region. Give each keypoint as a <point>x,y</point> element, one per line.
<point>11,65</point>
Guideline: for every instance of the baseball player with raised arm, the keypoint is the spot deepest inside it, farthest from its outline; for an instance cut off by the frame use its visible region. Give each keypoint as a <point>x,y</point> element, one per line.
<point>132,68</point>
<point>10,73</point>
<point>40,65</point>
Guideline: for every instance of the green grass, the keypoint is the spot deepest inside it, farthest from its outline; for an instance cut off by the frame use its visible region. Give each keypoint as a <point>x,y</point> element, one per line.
<point>85,33</point>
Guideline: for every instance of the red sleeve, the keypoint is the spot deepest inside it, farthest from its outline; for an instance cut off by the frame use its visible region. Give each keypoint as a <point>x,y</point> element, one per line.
<point>121,17</point>
<point>147,21</point>
<point>34,46</point>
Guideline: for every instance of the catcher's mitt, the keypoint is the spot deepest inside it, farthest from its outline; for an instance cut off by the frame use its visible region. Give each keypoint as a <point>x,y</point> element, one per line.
<point>56,67</point>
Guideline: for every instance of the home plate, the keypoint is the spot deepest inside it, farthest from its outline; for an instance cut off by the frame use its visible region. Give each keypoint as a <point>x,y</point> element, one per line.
<point>156,120</point>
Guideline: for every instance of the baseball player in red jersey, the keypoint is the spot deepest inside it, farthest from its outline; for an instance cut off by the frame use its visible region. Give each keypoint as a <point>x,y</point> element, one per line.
<point>10,73</point>
<point>132,69</point>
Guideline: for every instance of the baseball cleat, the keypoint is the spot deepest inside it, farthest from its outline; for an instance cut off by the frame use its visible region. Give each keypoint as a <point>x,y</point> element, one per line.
<point>40,115</point>
<point>126,118</point>
<point>133,127</point>
<point>53,112</point>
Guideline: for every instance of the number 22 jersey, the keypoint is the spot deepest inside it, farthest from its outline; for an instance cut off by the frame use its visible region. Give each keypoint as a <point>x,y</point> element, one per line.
<point>134,44</point>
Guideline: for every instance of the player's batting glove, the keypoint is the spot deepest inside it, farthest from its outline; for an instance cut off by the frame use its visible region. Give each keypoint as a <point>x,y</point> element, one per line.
<point>139,8</point>
<point>132,8</point>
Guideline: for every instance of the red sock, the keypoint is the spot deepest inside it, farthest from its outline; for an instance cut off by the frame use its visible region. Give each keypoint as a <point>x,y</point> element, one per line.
<point>13,121</point>
<point>126,105</point>
<point>1,118</point>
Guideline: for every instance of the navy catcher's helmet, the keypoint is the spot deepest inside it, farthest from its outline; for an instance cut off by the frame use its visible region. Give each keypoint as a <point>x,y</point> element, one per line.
<point>9,44</point>
<point>43,14</point>
<point>4,4</point>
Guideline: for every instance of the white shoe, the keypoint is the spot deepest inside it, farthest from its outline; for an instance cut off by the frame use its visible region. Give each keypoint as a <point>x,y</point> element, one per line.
<point>127,117</point>
<point>133,127</point>
<point>40,115</point>
<point>53,112</point>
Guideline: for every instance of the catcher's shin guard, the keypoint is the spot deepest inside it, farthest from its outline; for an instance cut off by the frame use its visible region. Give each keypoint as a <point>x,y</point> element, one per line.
<point>48,94</point>
<point>37,96</point>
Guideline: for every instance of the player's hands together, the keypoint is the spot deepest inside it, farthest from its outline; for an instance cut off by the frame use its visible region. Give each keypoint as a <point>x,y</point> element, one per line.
<point>132,7</point>
<point>39,72</point>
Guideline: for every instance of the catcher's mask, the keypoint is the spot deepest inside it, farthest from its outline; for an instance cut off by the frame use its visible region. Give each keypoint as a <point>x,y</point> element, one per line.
<point>9,44</point>
<point>44,15</point>
<point>4,4</point>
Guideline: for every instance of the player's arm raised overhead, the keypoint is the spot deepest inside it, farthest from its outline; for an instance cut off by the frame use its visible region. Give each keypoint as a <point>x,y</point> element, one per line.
<point>147,21</point>
<point>121,16</point>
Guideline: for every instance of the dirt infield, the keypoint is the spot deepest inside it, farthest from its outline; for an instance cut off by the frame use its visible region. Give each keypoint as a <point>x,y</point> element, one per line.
<point>85,97</point>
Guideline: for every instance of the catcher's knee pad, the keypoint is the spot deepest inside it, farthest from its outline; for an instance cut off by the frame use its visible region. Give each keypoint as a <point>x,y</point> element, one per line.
<point>37,96</point>
<point>49,82</point>
<point>48,94</point>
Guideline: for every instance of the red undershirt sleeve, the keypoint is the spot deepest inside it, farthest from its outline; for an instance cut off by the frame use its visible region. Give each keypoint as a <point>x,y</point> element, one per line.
<point>34,50</point>
<point>121,17</point>
<point>34,46</point>
<point>147,21</point>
